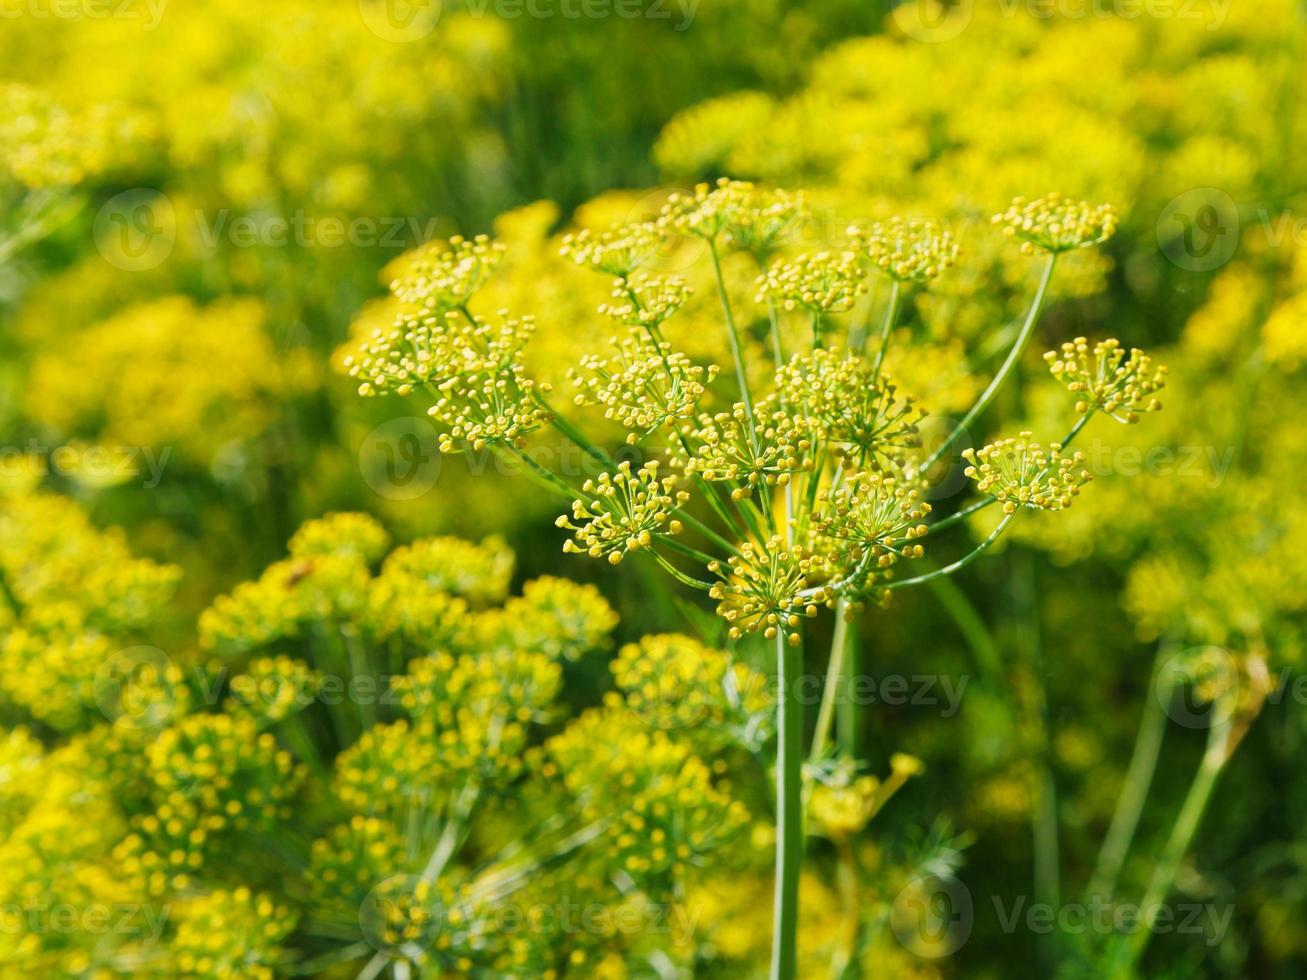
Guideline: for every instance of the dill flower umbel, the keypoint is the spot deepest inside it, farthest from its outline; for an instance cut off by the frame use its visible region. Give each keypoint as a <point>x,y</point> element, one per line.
<point>764,451</point>
<point>819,282</point>
<point>645,386</point>
<point>855,407</point>
<point>762,589</point>
<point>909,250</point>
<point>443,276</point>
<point>1056,224</point>
<point>618,251</point>
<point>646,301</point>
<point>623,511</point>
<point>1021,473</point>
<point>1106,379</point>
<point>876,517</point>
<point>674,682</point>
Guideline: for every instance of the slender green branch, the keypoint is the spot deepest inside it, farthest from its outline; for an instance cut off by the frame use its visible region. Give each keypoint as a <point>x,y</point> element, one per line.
<point>789,807</point>
<point>1134,792</point>
<point>685,549</point>
<point>961,563</point>
<point>679,575</point>
<point>1014,355</point>
<point>1182,833</point>
<point>733,335</point>
<point>887,328</point>
<point>834,672</point>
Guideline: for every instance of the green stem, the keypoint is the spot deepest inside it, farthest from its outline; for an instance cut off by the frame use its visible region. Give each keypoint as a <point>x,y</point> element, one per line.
<point>679,575</point>
<point>1139,777</point>
<point>887,328</point>
<point>1182,833</point>
<point>834,673</point>
<point>789,815</point>
<point>1044,828</point>
<point>1014,355</point>
<point>777,352</point>
<point>980,505</point>
<point>733,336</point>
<point>961,563</point>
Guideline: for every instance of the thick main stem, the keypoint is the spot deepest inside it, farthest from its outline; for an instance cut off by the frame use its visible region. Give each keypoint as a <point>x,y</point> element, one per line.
<point>789,815</point>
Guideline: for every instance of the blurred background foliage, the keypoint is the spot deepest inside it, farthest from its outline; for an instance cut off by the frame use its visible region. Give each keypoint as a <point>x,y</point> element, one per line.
<point>221,359</point>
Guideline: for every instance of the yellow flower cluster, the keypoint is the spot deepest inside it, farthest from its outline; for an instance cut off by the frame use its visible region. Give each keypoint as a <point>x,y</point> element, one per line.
<point>621,513</point>
<point>906,250</point>
<point>657,799</point>
<point>1055,224</point>
<point>1021,473</point>
<point>675,683</point>
<point>1113,382</point>
<point>149,377</point>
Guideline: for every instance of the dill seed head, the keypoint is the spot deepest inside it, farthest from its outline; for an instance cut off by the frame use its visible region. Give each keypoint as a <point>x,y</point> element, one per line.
<point>622,512</point>
<point>1021,473</point>
<point>767,453</point>
<point>1108,379</point>
<point>875,517</point>
<point>819,282</point>
<point>645,386</point>
<point>909,250</point>
<point>646,301</point>
<point>617,251</point>
<point>442,276</point>
<point>761,589</point>
<point>1056,224</point>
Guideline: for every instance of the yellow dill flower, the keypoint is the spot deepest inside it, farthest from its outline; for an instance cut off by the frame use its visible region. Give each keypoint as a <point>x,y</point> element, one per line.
<point>1055,224</point>
<point>762,589</point>
<point>819,282</point>
<point>909,250</point>
<point>675,683</point>
<point>1021,473</point>
<point>1108,380</point>
<point>622,512</point>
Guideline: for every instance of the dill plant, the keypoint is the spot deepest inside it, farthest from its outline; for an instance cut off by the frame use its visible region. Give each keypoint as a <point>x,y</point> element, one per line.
<point>776,500</point>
